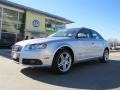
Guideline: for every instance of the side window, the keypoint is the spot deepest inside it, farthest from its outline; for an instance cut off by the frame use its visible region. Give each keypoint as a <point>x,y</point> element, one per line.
<point>96,36</point>
<point>83,34</point>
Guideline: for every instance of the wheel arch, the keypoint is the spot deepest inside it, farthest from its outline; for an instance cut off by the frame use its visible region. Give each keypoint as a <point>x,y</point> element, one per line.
<point>107,49</point>
<point>64,47</point>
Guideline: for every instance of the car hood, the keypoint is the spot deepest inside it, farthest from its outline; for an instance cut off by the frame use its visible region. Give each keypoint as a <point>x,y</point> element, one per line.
<point>41,40</point>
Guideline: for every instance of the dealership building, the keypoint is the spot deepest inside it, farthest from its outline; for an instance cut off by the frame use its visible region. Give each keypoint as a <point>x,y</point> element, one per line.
<point>25,21</point>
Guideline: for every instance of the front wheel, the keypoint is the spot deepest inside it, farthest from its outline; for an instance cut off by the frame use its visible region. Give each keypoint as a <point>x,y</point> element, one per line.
<point>62,61</point>
<point>105,57</point>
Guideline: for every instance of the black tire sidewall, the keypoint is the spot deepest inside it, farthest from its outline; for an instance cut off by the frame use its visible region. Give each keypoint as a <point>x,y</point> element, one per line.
<point>103,58</point>
<point>55,67</point>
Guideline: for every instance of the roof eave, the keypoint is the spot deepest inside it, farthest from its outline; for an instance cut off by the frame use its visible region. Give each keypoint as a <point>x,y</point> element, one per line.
<point>25,8</point>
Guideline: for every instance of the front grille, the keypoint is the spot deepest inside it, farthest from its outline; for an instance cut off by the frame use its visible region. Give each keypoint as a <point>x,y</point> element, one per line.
<point>31,61</point>
<point>17,48</point>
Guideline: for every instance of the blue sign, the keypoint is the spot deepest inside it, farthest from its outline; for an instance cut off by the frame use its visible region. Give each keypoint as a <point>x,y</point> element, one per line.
<point>36,23</point>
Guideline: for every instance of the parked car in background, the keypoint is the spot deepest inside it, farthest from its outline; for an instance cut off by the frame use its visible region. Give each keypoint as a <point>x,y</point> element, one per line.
<point>62,49</point>
<point>7,39</point>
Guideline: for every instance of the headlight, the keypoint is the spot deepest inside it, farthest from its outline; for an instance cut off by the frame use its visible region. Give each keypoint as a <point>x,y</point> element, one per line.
<point>35,46</point>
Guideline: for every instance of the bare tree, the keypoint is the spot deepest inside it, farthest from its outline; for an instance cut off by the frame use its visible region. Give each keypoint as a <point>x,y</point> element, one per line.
<point>114,43</point>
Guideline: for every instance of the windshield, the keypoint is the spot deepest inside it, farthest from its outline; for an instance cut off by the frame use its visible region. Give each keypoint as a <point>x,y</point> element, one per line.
<point>64,33</point>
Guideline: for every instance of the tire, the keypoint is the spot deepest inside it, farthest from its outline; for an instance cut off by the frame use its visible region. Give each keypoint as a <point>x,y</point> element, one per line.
<point>62,61</point>
<point>105,57</point>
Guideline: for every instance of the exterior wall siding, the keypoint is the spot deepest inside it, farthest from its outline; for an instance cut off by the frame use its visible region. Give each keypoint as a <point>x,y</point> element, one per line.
<point>30,17</point>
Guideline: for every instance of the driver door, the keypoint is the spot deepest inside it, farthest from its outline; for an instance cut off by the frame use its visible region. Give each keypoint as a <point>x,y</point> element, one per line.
<point>84,45</point>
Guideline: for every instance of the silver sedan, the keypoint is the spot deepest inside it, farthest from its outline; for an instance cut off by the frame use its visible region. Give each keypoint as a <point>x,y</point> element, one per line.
<point>62,49</point>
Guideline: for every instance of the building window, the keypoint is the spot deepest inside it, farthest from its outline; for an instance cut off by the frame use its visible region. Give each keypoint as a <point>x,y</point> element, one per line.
<point>0,12</point>
<point>21,25</point>
<point>12,22</point>
<point>52,26</point>
<point>10,19</point>
<point>20,21</point>
<point>0,17</point>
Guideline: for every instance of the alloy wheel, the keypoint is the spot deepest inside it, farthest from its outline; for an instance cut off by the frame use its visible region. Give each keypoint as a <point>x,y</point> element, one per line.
<point>64,62</point>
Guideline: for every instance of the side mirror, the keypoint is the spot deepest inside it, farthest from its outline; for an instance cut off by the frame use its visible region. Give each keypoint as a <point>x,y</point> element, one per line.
<point>81,35</point>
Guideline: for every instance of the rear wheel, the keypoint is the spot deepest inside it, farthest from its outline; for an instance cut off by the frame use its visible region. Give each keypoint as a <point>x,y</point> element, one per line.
<point>62,61</point>
<point>105,57</point>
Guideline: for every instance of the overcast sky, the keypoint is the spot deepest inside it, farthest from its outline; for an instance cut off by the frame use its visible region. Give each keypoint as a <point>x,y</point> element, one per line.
<point>100,15</point>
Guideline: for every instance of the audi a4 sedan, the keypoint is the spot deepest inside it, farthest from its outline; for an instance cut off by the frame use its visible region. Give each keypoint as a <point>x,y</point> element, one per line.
<point>62,49</point>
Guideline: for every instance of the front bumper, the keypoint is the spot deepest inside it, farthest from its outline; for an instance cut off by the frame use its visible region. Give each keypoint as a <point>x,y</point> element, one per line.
<point>33,58</point>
